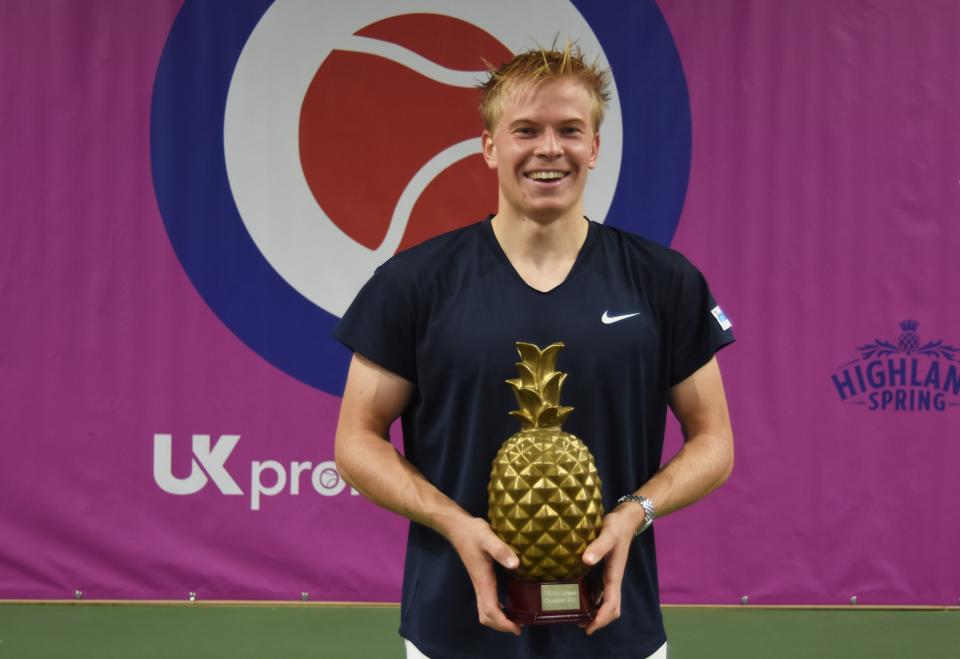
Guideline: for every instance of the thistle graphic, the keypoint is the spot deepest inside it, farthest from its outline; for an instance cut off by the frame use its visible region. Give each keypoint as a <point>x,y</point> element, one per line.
<point>544,491</point>
<point>908,342</point>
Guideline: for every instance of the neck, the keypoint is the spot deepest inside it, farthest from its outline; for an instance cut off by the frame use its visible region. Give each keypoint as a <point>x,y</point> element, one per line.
<point>539,240</point>
<point>542,253</point>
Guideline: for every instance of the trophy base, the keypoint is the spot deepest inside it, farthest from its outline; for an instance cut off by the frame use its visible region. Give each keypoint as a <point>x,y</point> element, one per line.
<point>551,602</point>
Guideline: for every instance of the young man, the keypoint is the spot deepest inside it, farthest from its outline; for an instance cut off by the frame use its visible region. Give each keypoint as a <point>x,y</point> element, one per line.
<point>433,336</point>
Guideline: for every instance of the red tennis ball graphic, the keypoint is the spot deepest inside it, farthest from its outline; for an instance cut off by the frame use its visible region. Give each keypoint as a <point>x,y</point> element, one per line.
<point>369,124</point>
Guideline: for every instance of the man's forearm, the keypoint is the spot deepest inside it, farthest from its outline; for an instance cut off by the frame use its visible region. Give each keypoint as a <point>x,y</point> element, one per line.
<point>701,466</point>
<point>706,459</point>
<point>374,467</point>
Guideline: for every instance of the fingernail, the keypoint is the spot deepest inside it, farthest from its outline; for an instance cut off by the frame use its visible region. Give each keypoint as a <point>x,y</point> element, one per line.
<point>512,562</point>
<point>589,558</point>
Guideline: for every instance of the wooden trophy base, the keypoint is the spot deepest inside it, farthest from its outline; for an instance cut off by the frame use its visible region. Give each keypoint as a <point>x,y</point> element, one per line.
<point>551,602</point>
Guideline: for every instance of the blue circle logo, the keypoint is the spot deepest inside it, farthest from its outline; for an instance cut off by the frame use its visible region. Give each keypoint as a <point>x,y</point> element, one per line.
<point>283,182</point>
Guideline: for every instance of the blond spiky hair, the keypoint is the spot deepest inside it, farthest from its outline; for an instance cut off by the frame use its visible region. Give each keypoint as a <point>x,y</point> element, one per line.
<point>537,66</point>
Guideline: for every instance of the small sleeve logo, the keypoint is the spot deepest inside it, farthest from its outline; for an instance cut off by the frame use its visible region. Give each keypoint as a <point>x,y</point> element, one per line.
<point>722,319</point>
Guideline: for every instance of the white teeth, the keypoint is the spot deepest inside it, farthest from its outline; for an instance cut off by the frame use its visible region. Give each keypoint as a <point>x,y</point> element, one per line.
<point>546,176</point>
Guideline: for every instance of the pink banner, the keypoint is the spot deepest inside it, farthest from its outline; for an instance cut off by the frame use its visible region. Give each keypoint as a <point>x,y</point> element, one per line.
<point>108,350</point>
<point>822,204</point>
<point>178,240</point>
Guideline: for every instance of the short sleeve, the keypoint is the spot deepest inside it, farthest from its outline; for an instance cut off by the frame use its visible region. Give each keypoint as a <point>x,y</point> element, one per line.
<point>381,322</point>
<point>699,328</point>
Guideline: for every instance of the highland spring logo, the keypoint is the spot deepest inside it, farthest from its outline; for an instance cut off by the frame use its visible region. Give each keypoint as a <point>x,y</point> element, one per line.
<point>903,374</point>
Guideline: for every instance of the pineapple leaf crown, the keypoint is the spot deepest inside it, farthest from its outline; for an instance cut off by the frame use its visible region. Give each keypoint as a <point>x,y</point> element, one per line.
<point>909,325</point>
<point>538,388</point>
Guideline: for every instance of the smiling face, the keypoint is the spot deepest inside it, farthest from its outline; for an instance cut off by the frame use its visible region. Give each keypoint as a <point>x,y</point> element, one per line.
<point>542,148</point>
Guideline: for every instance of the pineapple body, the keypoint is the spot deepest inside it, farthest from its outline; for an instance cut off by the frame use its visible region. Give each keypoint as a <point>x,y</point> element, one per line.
<point>544,491</point>
<point>545,502</point>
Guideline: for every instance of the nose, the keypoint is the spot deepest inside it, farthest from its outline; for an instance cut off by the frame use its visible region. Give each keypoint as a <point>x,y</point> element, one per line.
<point>548,146</point>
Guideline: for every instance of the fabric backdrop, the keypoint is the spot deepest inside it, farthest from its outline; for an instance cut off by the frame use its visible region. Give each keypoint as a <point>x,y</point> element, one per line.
<point>190,194</point>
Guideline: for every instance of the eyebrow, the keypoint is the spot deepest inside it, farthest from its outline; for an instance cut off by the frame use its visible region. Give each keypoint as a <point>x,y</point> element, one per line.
<point>524,120</point>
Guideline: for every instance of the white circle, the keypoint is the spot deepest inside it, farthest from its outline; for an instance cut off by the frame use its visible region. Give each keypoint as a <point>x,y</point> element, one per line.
<point>321,479</point>
<point>262,118</point>
<point>329,478</point>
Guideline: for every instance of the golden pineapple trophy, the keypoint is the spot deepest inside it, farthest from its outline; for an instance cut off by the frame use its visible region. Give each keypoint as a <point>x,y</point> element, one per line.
<point>545,500</point>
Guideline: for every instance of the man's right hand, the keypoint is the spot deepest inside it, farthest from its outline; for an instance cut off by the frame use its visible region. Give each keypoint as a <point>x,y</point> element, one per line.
<point>478,547</point>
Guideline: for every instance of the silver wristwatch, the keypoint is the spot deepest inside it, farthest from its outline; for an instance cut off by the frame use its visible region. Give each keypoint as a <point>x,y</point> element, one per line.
<point>649,512</point>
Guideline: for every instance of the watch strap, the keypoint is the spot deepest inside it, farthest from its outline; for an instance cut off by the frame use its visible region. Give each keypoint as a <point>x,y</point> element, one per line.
<point>648,510</point>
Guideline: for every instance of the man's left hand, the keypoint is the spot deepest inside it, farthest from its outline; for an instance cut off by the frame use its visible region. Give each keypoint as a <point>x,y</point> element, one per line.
<point>613,543</point>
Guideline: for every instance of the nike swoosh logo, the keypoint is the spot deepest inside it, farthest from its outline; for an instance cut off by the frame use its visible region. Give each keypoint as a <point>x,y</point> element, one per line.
<point>609,320</point>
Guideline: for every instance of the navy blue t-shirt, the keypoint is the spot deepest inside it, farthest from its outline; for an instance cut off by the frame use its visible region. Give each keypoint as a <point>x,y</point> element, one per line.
<point>446,315</point>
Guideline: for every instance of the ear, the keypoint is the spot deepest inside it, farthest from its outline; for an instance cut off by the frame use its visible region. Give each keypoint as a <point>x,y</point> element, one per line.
<point>594,150</point>
<point>489,151</point>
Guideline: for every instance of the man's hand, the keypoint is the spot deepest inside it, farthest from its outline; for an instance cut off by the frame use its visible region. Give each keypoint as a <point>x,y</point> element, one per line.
<point>373,398</point>
<point>613,543</point>
<point>478,547</point>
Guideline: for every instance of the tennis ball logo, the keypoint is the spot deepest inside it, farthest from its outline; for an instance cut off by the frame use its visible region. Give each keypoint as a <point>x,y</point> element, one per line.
<point>349,135</point>
<point>369,124</point>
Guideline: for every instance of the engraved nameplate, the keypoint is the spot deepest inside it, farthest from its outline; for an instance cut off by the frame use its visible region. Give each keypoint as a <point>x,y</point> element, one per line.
<point>559,597</point>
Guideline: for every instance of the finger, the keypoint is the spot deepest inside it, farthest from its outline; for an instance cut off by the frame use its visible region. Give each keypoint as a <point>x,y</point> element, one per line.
<point>613,571</point>
<point>488,604</point>
<point>599,548</point>
<point>501,552</point>
<point>609,608</point>
<point>488,608</point>
<point>612,581</point>
<point>607,613</point>
<point>496,619</point>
